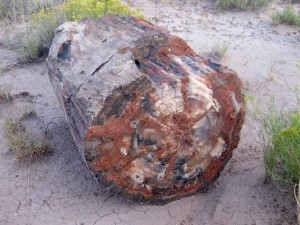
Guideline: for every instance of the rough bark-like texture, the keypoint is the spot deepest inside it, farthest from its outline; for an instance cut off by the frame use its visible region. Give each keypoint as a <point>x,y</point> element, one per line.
<point>152,120</point>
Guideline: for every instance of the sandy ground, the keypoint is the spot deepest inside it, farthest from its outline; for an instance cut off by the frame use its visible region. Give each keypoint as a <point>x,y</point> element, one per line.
<point>58,189</point>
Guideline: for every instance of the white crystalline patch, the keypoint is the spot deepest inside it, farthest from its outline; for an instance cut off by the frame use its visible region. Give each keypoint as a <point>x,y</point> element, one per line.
<point>235,103</point>
<point>124,151</point>
<point>200,92</point>
<point>170,100</point>
<point>189,174</point>
<point>218,149</point>
<point>202,148</point>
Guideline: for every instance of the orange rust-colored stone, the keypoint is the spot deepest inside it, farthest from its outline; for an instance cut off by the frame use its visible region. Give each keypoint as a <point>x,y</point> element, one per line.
<point>153,121</point>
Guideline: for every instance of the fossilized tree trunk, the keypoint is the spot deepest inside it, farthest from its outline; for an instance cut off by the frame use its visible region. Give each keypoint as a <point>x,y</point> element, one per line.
<point>152,120</point>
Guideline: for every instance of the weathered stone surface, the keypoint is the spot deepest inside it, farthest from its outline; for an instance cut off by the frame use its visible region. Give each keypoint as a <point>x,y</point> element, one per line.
<point>152,120</point>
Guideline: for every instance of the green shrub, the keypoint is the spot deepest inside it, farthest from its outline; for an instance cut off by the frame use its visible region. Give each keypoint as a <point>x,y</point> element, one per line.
<point>282,157</point>
<point>241,4</point>
<point>14,10</point>
<point>78,9</point>
<point>279,133</point>
<point>287,16</point>
<point>28,46</point>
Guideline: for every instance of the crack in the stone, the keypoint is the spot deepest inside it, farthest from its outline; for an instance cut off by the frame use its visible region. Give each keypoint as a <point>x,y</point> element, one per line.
<point>103,64</point>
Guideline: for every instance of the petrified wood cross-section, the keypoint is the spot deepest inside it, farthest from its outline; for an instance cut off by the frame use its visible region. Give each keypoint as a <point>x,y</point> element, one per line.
<point>153,120</point>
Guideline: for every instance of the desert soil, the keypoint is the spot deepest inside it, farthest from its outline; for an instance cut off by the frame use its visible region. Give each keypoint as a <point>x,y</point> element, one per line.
<point>58,188</point>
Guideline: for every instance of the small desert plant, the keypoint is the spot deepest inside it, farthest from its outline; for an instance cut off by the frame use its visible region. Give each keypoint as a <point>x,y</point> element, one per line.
<point>282,155</point>
<point>287,16</point>
<point>241,4</point>
<point>15,10</point>
<point>279,132</point>
<point>29,113</point>
<point>217,52</point>
<point>5,89</point>
<point>271,72</point>
<point>5,93</point>
<point>29,47</point>
<point>23,144</point>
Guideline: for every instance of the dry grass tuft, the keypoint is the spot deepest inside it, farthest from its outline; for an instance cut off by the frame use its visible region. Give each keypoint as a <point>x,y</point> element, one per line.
<point>19,10</point>
<point>29,113</point>
<point>287,16</point>
<point>217,52</point>
<point>279,133</point>
<point>23,144</point>
<point>271,72</point>
<point>5,89</point>
<point>5,93</point>
<point>241,4</point>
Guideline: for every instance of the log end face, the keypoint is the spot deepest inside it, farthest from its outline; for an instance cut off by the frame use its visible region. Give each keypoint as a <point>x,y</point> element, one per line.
<point>170,141</point>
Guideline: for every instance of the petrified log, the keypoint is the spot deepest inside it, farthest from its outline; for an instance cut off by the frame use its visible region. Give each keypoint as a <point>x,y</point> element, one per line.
<point>152,119</point>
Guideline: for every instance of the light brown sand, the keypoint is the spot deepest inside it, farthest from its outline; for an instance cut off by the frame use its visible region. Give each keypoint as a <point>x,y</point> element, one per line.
<point>58,189</point>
